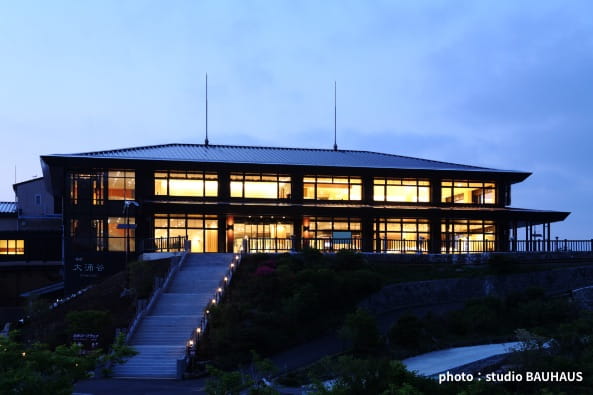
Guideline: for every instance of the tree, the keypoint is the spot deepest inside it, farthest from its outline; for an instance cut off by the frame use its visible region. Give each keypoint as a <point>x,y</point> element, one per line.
<point>36,369</point>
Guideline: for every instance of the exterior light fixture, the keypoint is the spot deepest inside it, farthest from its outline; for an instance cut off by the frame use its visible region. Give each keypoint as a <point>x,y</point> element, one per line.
<point>191,343</point>
<point>219,289</point>
<point>199,330</point>
<point>226,279</point>
<point>213,301</point>
<point>232,265</point>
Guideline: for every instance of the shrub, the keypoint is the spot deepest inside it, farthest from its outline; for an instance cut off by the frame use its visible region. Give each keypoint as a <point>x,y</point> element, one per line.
<point>409,332</point>
<point>90,321</point>
<point>360,330</point>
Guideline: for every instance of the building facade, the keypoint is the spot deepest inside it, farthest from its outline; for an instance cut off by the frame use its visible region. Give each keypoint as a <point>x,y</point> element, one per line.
<point>119,203</point>
<point>30,244</point>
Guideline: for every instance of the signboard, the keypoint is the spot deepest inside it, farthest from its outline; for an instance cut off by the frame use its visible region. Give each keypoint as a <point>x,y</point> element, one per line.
<point>126,226</point>
<point>342,235</point>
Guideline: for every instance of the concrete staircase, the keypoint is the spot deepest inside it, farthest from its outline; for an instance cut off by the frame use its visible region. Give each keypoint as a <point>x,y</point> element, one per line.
<point>161,336</point>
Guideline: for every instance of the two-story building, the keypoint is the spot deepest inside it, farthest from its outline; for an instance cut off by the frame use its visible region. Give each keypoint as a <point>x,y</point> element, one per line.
<point>121,202</point>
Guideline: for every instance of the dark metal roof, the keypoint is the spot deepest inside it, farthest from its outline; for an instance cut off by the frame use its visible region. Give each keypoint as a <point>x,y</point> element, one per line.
<point>275,156</point>
<point>7,207</point>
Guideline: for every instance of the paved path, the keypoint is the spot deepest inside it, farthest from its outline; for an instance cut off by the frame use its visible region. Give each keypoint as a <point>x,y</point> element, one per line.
<point>440,361</point>
<point>161,336</point>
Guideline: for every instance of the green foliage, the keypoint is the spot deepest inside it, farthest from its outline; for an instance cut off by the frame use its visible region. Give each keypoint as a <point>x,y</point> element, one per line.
<point>361,332</point>
<point>348,260</point>
<point>350,375</point>
<point>409,332</point>
<point>484,320</point>
<point>87,321</point>
<point>143,273</point>
<point>224,383</point>
<point>301,296</point>
<point>36,369</point>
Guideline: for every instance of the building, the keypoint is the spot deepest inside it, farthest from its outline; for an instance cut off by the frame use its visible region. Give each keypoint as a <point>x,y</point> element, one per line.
<point>119,203</point>
<point>30,244</point>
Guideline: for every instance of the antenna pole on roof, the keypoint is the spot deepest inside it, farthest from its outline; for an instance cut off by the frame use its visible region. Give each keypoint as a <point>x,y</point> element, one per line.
<point>206,141</point>
<point>335,119</point>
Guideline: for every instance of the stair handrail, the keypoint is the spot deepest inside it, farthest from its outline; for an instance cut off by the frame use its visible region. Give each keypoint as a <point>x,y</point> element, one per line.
<point>145,309</point>
<point>196,334</point>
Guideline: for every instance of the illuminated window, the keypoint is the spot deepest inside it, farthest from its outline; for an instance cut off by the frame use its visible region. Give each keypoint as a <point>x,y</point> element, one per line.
<point>267,234</point>
<point>86,187</point>
<point>402,235</point>
<point>327,233</point>
<point>332,188</point>
<point>99,233</point>
<point>12,247</point>
<point>200,230</point>
<point>468,235</point>
<point>121,185</point>
<point>189,184</point>
<point>118,233</point>
<point>468,192</point>
<point>260,186</point>
<point>409,190</point>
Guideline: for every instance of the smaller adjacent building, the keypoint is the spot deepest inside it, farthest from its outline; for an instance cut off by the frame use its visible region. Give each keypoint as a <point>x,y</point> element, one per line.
<point>30,241</point>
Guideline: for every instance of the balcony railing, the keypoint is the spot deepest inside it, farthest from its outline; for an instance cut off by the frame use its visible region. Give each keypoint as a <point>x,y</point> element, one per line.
<point>331,245</point>
<point>467,246</point>
<point>420,246</point>
<point>164,244</point>
<point>555,245</point>
<point>269,244</point>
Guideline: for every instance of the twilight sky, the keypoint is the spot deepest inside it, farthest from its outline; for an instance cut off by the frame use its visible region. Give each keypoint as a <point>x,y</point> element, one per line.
<point>506,85</point>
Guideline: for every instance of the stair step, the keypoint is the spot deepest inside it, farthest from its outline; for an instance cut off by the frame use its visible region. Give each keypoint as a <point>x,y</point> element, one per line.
<point>161,335</point>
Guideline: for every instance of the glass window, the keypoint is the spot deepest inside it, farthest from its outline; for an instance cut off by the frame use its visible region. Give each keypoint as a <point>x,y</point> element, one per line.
<point>328,233</point>
<point>200,230</point>
<point>12,247</point>
<point>402,235</point>
<point>468,192</point>
<point>121,185</point>
<point>468,235</point>
<point>188,184</point>
<point>86,188</point>
<point>405,190</point>
<point>260,186</point>
<point>332,188</point>
<point>119,233</point>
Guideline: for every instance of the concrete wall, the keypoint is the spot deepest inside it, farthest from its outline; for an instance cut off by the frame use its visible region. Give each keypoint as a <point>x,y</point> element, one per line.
<point>26,193</point>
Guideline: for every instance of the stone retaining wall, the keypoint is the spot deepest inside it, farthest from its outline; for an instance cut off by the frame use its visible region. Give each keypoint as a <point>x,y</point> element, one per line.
<point>418,293</point>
